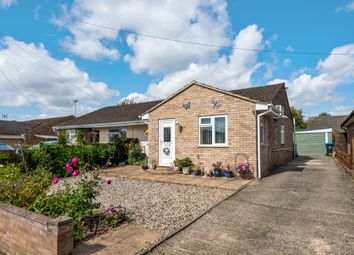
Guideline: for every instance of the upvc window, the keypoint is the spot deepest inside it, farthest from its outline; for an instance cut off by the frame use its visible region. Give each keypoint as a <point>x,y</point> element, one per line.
<point>213,130</point>
<point>70,135</point>
<point>262,131</point>
<point>282,134</point>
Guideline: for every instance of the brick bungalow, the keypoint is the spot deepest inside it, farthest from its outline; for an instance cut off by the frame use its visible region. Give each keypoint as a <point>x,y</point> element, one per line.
<point>29,132</point>
<point>208,124</point>
<point>202,122</point>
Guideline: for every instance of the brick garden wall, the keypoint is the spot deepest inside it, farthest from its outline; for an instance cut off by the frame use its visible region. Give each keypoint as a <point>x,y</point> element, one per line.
<point>241,126</point>
<point>25,232</point>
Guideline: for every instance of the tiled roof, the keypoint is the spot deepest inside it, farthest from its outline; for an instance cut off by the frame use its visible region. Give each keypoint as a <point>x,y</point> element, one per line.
<point>262,93</point>
<point>113,114</point>
<point>333,122</point>
<point>39,126</point>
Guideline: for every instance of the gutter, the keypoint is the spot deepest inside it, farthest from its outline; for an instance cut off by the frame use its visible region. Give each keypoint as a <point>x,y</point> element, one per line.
<point>270,110</point>
<point>102,125</point>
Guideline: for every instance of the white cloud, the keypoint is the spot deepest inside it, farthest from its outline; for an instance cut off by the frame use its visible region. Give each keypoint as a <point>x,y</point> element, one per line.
<point>290,48</point>
<point>308,89</point>
<point>6,3</point>
<point>194,20</point>
<point>348,7</point>
<point>287,62</point>
<point>34,84</point>
<point>342,109</point>
<point>228,72</point>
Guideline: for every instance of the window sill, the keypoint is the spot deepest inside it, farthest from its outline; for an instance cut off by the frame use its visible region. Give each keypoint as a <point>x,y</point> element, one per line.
<point>213,146</point>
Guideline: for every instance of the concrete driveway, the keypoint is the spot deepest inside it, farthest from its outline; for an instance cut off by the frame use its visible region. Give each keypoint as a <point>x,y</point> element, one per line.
<point>305,207</point>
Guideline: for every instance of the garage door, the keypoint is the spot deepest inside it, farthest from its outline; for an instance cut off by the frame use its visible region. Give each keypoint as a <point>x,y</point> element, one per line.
<point>311,144</point>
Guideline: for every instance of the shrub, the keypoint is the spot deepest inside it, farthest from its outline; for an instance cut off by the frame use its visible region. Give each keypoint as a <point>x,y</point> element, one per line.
<point>7,157</point>
<point>62,139</point>
<point>185,162</point>
<point>79,136</point>
<point>135,155</point>
<point>21,189</point>
<point>77,202</point>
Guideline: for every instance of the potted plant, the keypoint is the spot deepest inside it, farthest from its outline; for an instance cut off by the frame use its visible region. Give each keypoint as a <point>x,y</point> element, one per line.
<point>144,165</point>
<point>197,169</point>
<point>217,169</point>
<point>177,165</point>
<point>186,164</point>
<point>153,164</point>
<point>228,172</point>
<point>244,170</point>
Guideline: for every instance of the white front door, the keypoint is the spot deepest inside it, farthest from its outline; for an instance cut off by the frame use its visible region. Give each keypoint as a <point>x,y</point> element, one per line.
<point>166,142</point>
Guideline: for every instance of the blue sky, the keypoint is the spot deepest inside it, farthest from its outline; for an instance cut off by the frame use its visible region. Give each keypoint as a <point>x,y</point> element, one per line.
<point>48,56</point>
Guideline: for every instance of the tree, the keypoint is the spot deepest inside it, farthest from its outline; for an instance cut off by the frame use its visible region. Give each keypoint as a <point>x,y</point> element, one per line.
<point>324,114</point>
<point>127,101</point>
<point>300,122</point>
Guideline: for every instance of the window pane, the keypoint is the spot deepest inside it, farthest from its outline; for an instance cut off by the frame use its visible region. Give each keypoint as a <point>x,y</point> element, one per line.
<point>206,135</point>
<point>205,121</point>
<point>167,134</point>
<point>282,135</point>
<point>220,130</point>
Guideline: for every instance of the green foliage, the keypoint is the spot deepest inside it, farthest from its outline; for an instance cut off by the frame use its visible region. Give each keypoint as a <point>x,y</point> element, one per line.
<point>79,136</point>
<point>135,155</point>
<point>324,114</point>
<point>54,157</point>
<point>21,189</point>
<point>62,139</point>
<point>300,123</point>
<point>7,157</point>
<point>185,162</point>
<point>77,202</point>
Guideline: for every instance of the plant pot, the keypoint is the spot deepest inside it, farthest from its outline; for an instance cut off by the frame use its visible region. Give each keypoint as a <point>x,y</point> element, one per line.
<point>217,172</point>
<point>198,172</point>
<point>152,166</point>
<point>144,167</point>
<point>186,170</point>
<point>228,173</point>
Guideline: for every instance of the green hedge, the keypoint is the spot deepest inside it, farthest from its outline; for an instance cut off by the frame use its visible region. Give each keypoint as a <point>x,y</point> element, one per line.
<point>54,157</point>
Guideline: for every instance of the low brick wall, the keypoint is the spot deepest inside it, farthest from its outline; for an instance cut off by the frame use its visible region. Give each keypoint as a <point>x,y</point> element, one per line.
<point>25,232</point>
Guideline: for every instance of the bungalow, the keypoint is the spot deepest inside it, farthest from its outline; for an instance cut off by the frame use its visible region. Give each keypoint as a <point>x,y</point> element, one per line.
<point>204,123</point>
<point>29,132</point>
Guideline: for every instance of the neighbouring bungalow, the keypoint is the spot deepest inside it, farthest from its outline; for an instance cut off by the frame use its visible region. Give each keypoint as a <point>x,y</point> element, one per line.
<point>29,132</point>
<point>103,125</point>
<point>202,122</point>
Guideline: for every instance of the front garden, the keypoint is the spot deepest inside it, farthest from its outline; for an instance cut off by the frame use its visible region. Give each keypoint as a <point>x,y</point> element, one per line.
<point>31,182</point>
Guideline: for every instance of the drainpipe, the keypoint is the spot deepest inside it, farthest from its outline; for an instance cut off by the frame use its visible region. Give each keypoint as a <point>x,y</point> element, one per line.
<point>270,109</point>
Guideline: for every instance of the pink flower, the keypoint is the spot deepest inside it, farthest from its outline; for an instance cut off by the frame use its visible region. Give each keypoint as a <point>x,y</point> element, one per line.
<point>67,165</point>
<point>70,169</point>
<point>76,173</point>
<point>55,180</point>
<point>74,161</point>
<point>109,182</point>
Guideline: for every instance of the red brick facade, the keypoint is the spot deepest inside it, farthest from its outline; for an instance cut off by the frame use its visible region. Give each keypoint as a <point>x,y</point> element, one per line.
<point>24,232</point>
<point>242,128</point>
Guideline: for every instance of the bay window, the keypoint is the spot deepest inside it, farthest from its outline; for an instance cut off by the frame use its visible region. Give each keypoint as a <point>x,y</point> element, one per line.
<point>213,131</point>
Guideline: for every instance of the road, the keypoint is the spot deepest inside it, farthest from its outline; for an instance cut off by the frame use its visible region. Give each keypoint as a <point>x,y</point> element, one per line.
<point>304,207</point>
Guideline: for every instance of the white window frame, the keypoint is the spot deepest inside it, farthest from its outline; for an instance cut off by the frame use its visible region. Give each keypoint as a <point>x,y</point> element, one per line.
<point>282,134</point>
<point>70,135</point>
<point>212,125</point>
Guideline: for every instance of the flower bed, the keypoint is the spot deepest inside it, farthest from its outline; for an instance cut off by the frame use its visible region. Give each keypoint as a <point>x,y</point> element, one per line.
<point>30,190</point>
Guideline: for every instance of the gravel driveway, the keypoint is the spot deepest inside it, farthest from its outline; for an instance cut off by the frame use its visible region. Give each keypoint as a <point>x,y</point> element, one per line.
<point>157,205</point>
<point>305,207</point>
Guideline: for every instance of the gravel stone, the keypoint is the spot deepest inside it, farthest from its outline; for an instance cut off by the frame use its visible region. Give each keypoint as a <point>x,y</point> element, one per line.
<point>158,205</point>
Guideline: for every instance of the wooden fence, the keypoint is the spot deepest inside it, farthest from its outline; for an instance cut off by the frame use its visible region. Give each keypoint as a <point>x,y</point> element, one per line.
<point>345,158</point>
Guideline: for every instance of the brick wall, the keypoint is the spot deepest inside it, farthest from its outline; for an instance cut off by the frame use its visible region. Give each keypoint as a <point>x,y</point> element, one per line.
<point>276,153</point>
<point>24,232</point>
<point>241,126</point>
